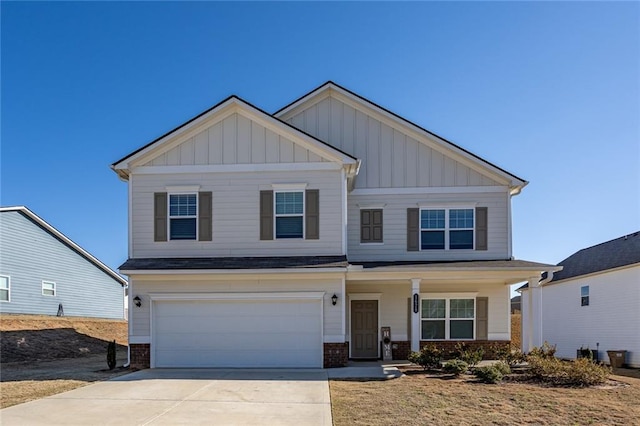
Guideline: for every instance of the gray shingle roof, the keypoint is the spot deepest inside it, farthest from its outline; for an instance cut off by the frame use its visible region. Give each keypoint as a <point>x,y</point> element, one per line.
<point>612,254</point>
<point>183,263</point>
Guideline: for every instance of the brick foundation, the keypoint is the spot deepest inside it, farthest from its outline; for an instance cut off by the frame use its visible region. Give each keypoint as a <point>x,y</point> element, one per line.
<point>140,355</point>
<point>449,346</point>
<point>336,355</point>
<point>400,349</point>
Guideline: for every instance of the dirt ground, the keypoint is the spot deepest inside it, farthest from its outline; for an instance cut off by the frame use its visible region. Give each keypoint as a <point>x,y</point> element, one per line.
<point>42,356</point>
<point>422,399</point>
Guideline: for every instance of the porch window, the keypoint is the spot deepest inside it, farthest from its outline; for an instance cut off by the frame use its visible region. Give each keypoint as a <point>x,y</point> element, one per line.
<point>448,318</point>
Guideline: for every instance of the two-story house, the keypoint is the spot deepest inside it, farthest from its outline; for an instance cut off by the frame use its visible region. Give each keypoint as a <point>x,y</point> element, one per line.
<point>290,239</point>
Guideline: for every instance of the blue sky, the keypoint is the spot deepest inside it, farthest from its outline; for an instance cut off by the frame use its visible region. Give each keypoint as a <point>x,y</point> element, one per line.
<point>549,91</point>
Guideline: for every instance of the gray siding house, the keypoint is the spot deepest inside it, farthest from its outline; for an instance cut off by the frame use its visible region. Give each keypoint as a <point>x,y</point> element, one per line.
<point>44,272</point>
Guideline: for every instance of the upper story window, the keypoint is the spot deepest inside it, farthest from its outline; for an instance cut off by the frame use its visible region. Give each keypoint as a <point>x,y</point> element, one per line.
<point>48,288</point>
<point>289,214</point>
<point>183,216</point>
<point>448,318</point>
<point>444,229</point>
<point>371,226</point>
<point>289,211</point>
<point>584,295</point>
<point>5,288</point>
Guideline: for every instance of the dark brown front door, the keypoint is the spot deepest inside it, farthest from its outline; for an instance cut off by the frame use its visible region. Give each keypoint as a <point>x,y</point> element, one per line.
<point>364,329</point>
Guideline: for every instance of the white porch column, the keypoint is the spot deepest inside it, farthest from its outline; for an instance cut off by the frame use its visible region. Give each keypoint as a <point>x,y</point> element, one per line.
<point>535,313</point>
<point>415,316</point>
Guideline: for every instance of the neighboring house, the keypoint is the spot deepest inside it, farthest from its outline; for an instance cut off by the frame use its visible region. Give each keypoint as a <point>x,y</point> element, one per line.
<point>290,239</point>
<point>516,305</point>
<point>594,302</point>
<point>44,272</point>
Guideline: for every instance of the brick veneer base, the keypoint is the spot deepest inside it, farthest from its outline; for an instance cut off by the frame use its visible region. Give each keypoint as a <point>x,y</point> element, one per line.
<point>449,346</point>
<point>402,349</point>
<point>140,354</point>
<point>336,355</point>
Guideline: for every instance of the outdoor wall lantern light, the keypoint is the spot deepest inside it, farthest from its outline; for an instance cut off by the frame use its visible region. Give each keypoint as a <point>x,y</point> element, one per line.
<point>334,299</point>
<point>137,301</point>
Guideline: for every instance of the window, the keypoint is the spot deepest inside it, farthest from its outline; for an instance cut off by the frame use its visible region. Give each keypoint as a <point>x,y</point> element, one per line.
<point>444,229</point>
<point>183,216</point>
<point>371,225</point>
<point>289,214</point>
<point>48,288</point>
<point>448,318</point>
<point>5,288</point>
<point>584,295</point>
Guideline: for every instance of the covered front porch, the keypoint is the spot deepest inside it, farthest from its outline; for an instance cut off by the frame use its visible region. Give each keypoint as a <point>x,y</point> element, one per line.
<point>391,309</point>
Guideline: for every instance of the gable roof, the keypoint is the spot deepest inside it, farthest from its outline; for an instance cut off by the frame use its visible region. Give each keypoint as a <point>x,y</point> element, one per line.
<point>121,165</point>
<point>517,182</point>
<point>622,251</point>
<point>64,240</point>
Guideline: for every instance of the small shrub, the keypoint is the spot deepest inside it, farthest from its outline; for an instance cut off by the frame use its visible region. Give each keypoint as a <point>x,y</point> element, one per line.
<point>428,357</point>
<point>456,367</point>
<point>489,374</point>
<point>511,356</point>
<point>544,351</point>
<point>503,367</point>
<point>579,373</point>
<point>111,355</point>
<point>469,355</point>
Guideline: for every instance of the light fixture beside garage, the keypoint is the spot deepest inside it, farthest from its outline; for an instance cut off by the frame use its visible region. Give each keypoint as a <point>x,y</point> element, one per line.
<point>334,299</point>
<point>137,301</point>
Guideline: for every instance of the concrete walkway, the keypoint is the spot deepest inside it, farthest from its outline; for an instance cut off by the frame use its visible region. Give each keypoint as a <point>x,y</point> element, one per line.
<point>368,370</point>
<point>187,396</point>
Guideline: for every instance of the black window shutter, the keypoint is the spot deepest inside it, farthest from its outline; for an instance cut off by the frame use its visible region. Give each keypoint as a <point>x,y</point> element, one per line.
<point>413,229</point>
<point>205,217</point>
<point>266,215</point>
<point>481,228</point>
<point>312,214</point>
<point>160,216</point>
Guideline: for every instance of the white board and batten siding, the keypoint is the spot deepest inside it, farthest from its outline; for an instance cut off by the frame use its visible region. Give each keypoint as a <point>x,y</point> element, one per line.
<point>394,207</point>
<point>332,330</point>
<point>235,140</point>
<point>236,214</point>
<point>612,317</point>
<point>391,157</point>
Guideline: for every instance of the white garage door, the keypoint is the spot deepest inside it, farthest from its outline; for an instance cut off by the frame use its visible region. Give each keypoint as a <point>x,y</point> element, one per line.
<point>238,333</point>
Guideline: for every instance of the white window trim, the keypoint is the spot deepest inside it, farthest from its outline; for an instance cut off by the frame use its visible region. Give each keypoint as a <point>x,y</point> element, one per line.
<point>447,319</point>
<point>55,292</point>
<point>587,295</point>
<point>169,217</point>
<point>276,215</point>
<point>8,288</point>
<point>447,229</point>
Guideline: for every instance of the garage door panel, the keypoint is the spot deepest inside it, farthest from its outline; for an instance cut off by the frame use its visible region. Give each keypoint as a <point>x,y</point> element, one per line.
<point>238,333</point>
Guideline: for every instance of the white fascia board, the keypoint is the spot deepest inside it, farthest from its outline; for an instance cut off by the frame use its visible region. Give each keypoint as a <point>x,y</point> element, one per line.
<point>592,274</point>
<point>158,147</point>
<point>282,271</point>
<point>431,140</point>
<point>431,190</point>
<point>235,168</point>
<point>231,106</point>
<point>505,276</point>
<point>67,241</point>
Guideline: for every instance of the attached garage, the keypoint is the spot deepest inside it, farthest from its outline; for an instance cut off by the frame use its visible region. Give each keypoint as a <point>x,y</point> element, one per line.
<point>260,330</point>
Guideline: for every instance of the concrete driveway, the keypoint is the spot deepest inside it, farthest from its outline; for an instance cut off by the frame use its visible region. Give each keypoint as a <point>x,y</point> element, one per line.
<point>187,396</point>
